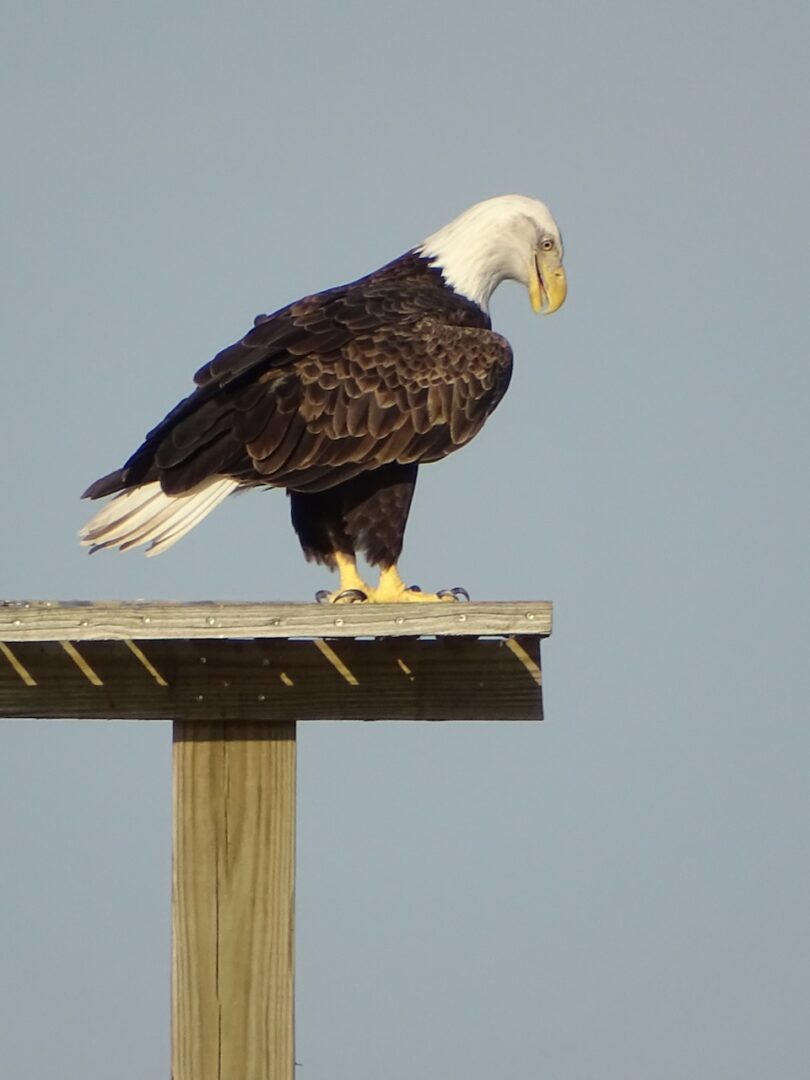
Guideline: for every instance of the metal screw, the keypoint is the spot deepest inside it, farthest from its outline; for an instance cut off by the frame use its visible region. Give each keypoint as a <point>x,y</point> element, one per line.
<point>338,622</point>
<point>211,620</point>
<point>199,697</point>
<point>262,697</point>
<point>462,618</point>
<point>529,614</point>
<point>203,660</point>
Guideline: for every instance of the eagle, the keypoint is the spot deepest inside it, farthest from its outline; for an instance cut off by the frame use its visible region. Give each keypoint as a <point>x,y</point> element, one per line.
<point>340,397</point>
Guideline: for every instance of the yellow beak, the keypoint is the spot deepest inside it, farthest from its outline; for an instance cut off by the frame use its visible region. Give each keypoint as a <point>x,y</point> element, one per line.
<point>547,285</point>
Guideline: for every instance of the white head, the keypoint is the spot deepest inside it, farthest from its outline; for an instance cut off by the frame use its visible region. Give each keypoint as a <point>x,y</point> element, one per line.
<point>508,237</point>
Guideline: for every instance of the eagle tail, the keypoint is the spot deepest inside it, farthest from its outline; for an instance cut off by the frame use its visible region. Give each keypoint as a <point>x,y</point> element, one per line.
<point>147,515</point>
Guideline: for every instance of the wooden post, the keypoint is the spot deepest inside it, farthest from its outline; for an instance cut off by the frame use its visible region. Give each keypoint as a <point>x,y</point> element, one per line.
<point>233,863</point>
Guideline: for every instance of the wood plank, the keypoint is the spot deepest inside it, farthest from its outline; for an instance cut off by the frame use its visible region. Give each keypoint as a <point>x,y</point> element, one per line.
<point>45,620</point>
<point>232,909</point>
<point>340,679</point>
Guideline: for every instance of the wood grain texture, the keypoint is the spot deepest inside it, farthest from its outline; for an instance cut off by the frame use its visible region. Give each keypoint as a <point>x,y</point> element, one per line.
<point>43,620</point>
<point>382,679</point>
<point>232,910</point>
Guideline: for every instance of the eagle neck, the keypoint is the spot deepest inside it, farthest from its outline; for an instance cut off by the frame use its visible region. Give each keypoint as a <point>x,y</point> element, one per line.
<point>462,276</point>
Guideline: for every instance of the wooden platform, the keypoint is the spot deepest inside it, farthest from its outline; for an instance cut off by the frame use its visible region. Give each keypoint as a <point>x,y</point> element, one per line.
<point>234,679</point>
<point>260,662</point>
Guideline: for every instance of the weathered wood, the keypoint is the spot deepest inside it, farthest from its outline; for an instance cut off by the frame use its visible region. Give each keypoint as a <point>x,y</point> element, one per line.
<point>44,620</point>
<point>383,679</point>
<point>233,936</point>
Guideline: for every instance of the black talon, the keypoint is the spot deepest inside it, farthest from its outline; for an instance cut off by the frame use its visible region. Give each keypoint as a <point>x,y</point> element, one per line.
<point>413,588</point>
<point>457,594</point>
<point>351,596</point>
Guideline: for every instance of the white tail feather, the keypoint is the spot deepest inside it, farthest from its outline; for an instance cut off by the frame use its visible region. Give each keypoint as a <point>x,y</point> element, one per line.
<point>147,515</point>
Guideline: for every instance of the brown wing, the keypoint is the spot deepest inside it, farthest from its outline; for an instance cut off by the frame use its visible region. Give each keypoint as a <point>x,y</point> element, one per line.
<point>332,386</point>
<point>399,395</point>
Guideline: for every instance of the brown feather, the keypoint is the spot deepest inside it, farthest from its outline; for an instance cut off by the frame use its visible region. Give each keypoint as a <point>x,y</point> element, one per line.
<point>216,458</point>
<point>282,454</point>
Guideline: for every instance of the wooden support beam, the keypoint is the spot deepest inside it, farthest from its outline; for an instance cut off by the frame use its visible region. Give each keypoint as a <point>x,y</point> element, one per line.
<point>315,679</point>
<point>232,879</point>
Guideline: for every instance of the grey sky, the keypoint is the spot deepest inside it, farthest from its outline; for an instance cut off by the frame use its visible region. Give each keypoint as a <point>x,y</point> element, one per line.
<point>622,892</point>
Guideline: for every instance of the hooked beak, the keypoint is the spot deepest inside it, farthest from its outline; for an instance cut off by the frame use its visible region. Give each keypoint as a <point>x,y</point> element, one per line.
<point>547,284</point>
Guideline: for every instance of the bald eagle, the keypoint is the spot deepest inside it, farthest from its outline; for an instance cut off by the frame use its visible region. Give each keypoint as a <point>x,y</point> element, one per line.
<point>341,396</point>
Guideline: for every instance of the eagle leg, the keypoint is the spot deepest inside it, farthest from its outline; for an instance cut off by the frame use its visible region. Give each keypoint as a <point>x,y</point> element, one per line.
<point>393,590</point>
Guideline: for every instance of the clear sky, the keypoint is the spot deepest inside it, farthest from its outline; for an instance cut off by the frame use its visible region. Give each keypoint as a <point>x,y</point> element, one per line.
<point>622,891</point>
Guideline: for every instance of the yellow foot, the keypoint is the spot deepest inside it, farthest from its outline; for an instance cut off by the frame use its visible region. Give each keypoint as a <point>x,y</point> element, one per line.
<point>411,595</point>
<point>393,590</point>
